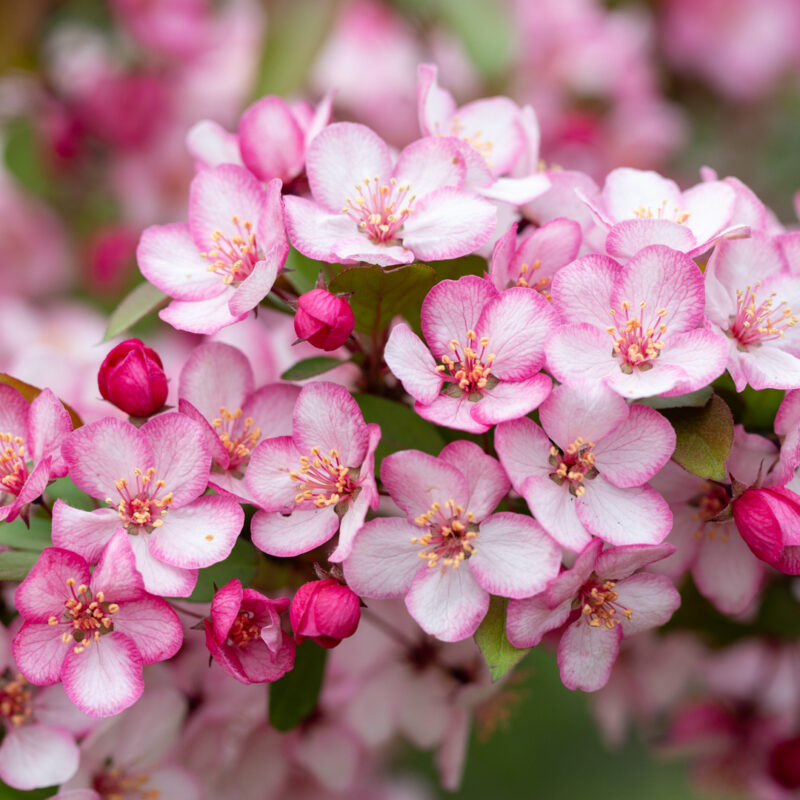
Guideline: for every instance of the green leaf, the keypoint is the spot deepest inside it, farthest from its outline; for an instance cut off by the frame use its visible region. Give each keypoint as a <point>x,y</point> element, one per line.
<point>294,696</point>
<point>401,428</point>
<point>704,438</point>
<point>16,564</point>
<point>144,299</point>
<point>242,563</point>
<point>692,399</point>
<point>24,160</point>
<point>302,272</point>
<point>309,367</point>
<point>501,656</point>
<point>378,296</point>
<point>34,539</point>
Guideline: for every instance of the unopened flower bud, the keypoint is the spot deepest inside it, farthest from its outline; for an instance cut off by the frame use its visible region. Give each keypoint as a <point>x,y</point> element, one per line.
<point>324,611</point>
<point>323,319</point>
<point>132,378</point>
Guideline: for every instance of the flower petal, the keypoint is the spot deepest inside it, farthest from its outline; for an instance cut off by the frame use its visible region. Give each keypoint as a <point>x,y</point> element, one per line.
<point>270,139</point>
<point>267,474</point>
<point>44,590</point>
<point>412,364</point>
<point>486,479</point>
<point>586,655</point>
<point>301,531</point>
<point>511,400</point>
<point>528,620</point>
<point>652,599</point>
<point>152,626</point>
<point>39,652</point>
<point>34,756</point>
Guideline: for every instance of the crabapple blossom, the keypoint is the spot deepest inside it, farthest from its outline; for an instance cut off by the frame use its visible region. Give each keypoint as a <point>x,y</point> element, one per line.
<point>653,311</point>
<point>93,631</point>
<point>220,265</point>
<point>318,480</point>
<point>602,601</point>
<point>217,389</point>
<point>484,353</point>
<point>31,435</point>
<point>325,611</point>
<point>152,478</point>
<point>323,319</point>
<point>769,521</point>
<point>368,207</point>
<point>132,378</point>
<point>467,552</point>
<point>584,472</point>
<point>244,634</point>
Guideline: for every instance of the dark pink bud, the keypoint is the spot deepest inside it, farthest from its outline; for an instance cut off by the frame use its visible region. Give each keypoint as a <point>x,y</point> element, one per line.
<point>323,319</point>
<point>768,519</point>
<point>325,611</point>
<point>132,378</point>
<point>784,763</point>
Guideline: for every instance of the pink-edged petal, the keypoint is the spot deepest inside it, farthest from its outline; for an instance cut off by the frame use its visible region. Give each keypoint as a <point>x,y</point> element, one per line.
<point>700,354</point>
<point>224,609</point>
<point>567,584</point>
<point>452,308</point>
<point>523,449</point>
<point>586,655</point>
<point>452,412</point>
<point>502,268</point>
<point>639,515</point>
<point>582,408</point>
<point>106,677</point>
<point>430,164</point>
<point>581,351</point>
<point>528,620</point>
<point>626,190</point>
<point>663,378</point>
<point>14,409</point>
<point>652,599</point>
<point>517,324</point>
<point>637,449</point>
<point>44,590</point>
<point>448,223</point>
<point>211,145</point>
<point>33,487</point>
<point>494,120</point>
<point>152,626</point>
<point>412,364</point>
<point>435,105</point>
<point>487,481</point>
<point>216,375</point>
<point>34,756</point>
<point>160,578</point>
<point>727,573</point>
<point>219,455</point>
<point>168,257</point>
<point>271,228</point>
<point>416,481</point>
<point>516,191</point>
<point>383,561</point>
<point>770,368</point>
<point>270,139</point>
<point>300,532</point>
<point>710,207</point>
<point>342,156</point>
<point>203,316</point>
<point>115,574</point>
<point>200,534</point>
<point>582,290</point>
<point>39,652</point>
<point>514,556</point>
<point>267,474</point>
<point>554,245</point>
<point>255,287</point>
<point>617,563</point>
<point>103,452</point>
<point>628,237</point>
<point>271,408</point>
<point>180,455</point>
<point>48,425</point>
<point>351,523</point>
<point>555,508</point>
<point>359,248</point>
<point>220,200</point>
<point>511,400</point>
<point>326,416</point>
<point>447,603</point>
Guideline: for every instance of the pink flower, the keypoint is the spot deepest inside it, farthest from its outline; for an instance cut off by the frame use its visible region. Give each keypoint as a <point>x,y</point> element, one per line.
<point>30,448</point>
<point>92,630</point>
<point>153,478</point>
<point>132,378</point>
<point>451,552</point>
<point>322,476</point>
<point>636,328</point>
<point>586,473</point>
<point>531,259</point>
<point>606,601</point>
<point>490,348</point>
<point>368,207</point>
<point>244,634</point>
<point>325,611</point>
<point>217,390</point>
<point>323,319</point>
<point>223,263</point>
<point>750,292</point>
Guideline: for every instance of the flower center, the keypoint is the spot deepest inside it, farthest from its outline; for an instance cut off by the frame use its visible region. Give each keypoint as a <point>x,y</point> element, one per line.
<point>449,535</point>
<point>244,629</point>
<point>141,505</point>
<point>380,209</point>
<point>660,212</point>
<point>15,700</point>
<point>87,617</point>
<point>469,370</point>
<point>13,470</point>
<point>324,480</point>
<point>710,504</point>
<point>598,604</point>
<point>754,323</point>
<point>637,343</point>
<point>116,785</point>
<point>475,139</point>
<point>573,466</point>
<point>238,438</point>
<point>527,279</point>
<point>233,258</point>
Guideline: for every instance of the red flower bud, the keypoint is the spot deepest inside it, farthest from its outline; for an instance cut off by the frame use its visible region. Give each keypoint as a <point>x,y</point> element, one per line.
<point>132,378</point>
<point>768,519</point>
<point>323,319</point>
<point>325,611</point>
